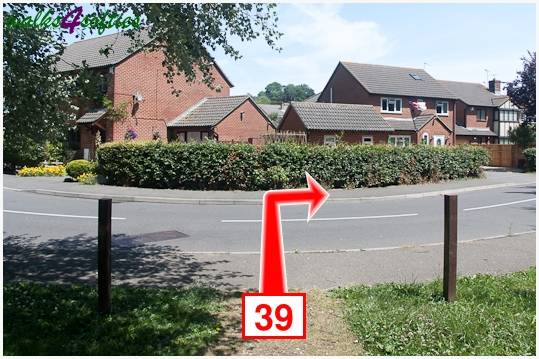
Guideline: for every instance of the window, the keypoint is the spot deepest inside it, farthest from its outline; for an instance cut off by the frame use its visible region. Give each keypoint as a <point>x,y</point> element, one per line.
<point>391,105</point>
<point>399,141</point>
<point>439,140</point>
<point>480,114</point>
<point>181,137</point>
<point>367,140</point>
<point>193,136</point>
<point>415,76</point>
<point>425,138</point>
<point>204,135</point>
<point>442,108</point>
<point>330,140</point>
<point>242,114</point>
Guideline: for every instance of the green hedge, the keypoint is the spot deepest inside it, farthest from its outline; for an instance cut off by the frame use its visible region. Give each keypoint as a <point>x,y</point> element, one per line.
<point>529,154</point>
<point>77,168</point>
<point>216,166</point>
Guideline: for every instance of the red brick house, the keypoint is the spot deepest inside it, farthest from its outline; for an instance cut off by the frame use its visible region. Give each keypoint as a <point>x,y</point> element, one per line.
<point>136,80</point>
<point>225,119</point>
<point>482,115</point>
<point>416,107</point>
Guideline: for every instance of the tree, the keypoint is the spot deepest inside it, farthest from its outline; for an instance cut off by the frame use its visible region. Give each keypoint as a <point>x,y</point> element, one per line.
<point>274,91</point>
<point>262,98</point>
<point>278,93</point>
<point>522,89</point>
<point>523,135</point>
<point>36,99</point>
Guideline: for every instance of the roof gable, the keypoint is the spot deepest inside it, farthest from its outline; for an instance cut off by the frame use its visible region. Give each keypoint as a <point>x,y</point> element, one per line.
<point>400,81</point>
<point>212,110</point>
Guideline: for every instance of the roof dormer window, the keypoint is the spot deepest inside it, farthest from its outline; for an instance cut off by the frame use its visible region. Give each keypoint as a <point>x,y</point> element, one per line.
<point>415,76</point>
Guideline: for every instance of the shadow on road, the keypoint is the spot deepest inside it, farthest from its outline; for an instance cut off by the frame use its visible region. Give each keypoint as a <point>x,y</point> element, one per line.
<point>74,260</point>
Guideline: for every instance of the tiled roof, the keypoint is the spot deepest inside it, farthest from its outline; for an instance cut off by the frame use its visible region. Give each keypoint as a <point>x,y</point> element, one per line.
<point>278,109</point>
<point>410,124</point>
<point>401,125</point>
<point>88,50</point>
<point>391,80</point>
<point>340,117</point>
<point>209,111</point>
<point>465,131</point>
<point>474,94</point>
<point>313,98</point>
<point>92,116</point>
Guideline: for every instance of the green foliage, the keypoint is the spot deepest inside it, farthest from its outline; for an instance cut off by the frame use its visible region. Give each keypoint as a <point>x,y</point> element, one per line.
<point>529,154</point>
<point>523,135</point>
<point>492,316</point>
<point>216,166</point>
<point>77,168</point>
<point>277,93</point>
<point>87,178</point>
<point>47,319</point>
<point>523,89</point>
<point>115,113</point>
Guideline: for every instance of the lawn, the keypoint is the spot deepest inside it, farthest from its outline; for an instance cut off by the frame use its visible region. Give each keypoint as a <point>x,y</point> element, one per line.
<point>62,320</point>
<point>493,315</point>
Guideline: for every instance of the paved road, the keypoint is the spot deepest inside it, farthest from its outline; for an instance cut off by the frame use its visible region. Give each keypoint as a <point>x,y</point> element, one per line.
<point>236,228</point>
<point>52,238</point>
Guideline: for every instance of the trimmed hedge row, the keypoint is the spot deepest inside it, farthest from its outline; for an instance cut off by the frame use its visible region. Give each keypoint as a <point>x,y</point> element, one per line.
<point>529,154</point>
<point>216,166</point>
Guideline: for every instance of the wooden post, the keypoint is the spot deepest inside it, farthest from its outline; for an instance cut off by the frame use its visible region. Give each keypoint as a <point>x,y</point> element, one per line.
<point>104,262</point>
<point>450,247</point>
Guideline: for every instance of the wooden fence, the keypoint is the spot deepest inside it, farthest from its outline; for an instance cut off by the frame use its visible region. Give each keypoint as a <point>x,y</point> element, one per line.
<point>504,155</point>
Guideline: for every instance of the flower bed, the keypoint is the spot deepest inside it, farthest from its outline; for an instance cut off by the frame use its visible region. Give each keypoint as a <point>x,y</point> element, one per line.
<point>48,171</point>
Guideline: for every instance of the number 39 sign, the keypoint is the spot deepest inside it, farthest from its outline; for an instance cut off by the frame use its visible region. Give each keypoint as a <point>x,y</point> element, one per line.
<point>273,313</point>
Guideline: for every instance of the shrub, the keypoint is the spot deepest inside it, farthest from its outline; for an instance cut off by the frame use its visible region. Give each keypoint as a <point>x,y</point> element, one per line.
<point>529,154</point>
<point>47,171</point>
<point>87,178</point>
<point>78,167</point>
<point>217,166</point>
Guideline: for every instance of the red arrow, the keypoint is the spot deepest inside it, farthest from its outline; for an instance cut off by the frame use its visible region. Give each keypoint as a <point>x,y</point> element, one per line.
<point>272,266</point>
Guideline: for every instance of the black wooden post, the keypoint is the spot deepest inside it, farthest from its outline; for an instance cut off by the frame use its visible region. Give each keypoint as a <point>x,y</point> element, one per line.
<point>104,261</point>
<point>450,247</point>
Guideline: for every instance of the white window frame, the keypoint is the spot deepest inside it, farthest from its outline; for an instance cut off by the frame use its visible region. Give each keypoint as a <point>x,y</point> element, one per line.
<point>397,138</point>
<point>330,140</point>
<point>370,140</point>
<point>436,137</point>
<point>394,100</point>
<point>442,104</point>
<point>423,137</point>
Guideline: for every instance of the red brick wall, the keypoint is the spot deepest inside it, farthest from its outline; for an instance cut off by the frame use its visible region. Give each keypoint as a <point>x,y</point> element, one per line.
<point>249,129</point>
<point>472,121</point>
<point>292,122</point>
<point>434,127</point>
<point>143,72</point>
<point>352,137</point>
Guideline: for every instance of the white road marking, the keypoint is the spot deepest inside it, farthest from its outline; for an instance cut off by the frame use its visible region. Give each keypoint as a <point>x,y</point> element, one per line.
<point>499,205</point>
<point>321,219</point>
<point>353,250</point>
<point>58,215</point>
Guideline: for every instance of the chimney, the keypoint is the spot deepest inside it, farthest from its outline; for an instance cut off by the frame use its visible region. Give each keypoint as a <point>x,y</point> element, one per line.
<point>495,86</point>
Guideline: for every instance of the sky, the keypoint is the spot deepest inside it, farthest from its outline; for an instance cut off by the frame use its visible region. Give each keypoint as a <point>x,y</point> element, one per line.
<point>451,41</point>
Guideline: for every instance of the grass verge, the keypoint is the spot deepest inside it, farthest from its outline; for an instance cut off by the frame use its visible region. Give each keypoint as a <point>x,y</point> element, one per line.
<point>51,319</point>
<point>493,315</point>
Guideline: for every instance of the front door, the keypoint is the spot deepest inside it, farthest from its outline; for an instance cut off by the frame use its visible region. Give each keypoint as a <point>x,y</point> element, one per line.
<point>438,140</point>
